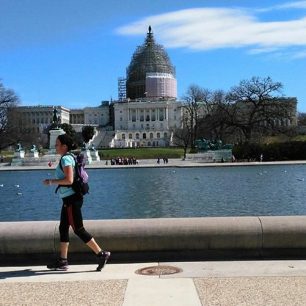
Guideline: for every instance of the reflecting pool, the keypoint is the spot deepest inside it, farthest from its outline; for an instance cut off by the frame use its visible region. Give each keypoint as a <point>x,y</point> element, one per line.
<point>162,192</point>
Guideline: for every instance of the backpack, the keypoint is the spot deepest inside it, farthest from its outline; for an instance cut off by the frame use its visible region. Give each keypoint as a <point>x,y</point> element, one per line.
<point>80,180</point>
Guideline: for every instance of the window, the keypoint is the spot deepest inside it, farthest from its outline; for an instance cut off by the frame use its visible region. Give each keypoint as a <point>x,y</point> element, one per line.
<point>151,135</point>
<point>147,115</point>
<point>161,114</point>
<point>158,135</point>
<point>123,136</point>
<point>165,135</point>
<point>133,115</point>
<point>130,136</point>
<point>137,135</point>
<point>144,136</point>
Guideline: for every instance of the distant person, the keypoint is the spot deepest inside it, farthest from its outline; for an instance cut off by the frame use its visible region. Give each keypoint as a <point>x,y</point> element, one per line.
<point>261,157</point>
<point>71,214</point>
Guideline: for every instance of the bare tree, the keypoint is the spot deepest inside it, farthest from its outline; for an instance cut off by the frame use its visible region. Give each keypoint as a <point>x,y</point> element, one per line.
<point>301,119</point>
<point>182,135</point>
<point>194,109</point>
<point>8,101</point>
<point>255,105</point>
<point>212,124</point>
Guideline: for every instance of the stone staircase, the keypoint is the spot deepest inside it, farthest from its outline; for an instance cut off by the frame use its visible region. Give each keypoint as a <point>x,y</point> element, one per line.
<point>102,138</point>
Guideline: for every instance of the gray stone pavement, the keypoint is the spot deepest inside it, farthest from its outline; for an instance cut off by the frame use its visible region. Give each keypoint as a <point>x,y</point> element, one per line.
<point>228,283</point>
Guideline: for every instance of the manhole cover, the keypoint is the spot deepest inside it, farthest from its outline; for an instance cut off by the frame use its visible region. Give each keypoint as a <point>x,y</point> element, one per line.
<point>158,270</point>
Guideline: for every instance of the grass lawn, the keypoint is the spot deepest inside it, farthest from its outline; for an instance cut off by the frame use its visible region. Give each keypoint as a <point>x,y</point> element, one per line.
<point>142,153</point>
<point>283,138</point>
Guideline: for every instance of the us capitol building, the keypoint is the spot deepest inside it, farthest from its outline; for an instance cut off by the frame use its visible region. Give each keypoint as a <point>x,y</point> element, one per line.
<point>146,110</point>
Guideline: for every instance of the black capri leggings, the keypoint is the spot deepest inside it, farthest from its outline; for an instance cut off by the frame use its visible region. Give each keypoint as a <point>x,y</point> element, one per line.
<point>71,215</point>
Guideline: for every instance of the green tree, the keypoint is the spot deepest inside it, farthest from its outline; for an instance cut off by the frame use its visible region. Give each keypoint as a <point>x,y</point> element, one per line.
<point>69,130</point>
<point>87,133</point>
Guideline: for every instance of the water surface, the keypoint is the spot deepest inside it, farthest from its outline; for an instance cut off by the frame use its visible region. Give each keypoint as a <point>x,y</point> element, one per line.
<point>162,192</point>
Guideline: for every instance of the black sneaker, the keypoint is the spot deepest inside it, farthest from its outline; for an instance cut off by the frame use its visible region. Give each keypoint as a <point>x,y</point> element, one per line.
<point>103,257</point>
<point>59,265</point>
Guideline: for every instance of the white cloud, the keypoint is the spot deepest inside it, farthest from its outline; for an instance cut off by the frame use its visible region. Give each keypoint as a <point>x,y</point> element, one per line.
<point>301,54</point>
<point>212,28</point>
<point>293,5</point>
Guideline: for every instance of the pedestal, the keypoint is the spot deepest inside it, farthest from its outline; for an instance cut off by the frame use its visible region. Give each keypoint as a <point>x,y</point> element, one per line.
<point>211,156</point>
<point>18,158</point>
<point>53,135</point>
<point>87,156</point>
<point>19,154</point>
<point>34,154</point>
<point>95,155</point>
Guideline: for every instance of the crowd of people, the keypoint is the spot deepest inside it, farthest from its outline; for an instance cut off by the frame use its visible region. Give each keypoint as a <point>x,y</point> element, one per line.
<point>123,161</point>
<point>165,160</point>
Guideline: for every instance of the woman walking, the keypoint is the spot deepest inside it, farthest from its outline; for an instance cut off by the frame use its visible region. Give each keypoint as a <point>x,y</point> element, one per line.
<point>71,214</point>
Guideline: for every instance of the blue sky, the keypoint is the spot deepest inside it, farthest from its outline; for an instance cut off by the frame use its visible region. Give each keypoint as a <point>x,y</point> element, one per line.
<point>71,52</point>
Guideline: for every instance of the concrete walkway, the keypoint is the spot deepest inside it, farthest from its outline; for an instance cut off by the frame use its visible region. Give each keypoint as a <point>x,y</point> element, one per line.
<point>228,283</point>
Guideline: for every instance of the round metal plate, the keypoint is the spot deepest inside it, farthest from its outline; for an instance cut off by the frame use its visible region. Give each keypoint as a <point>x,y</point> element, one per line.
<point>158,270</point>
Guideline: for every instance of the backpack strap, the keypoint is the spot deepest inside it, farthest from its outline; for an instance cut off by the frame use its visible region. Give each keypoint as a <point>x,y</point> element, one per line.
<point>60,164</point>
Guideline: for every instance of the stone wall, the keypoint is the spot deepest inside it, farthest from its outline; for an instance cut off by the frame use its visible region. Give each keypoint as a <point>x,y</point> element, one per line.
<point>162,239</point>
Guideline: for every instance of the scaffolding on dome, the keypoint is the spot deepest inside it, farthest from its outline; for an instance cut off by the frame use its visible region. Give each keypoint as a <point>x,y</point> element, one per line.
<point>148,58</point>
<point>121,89</point>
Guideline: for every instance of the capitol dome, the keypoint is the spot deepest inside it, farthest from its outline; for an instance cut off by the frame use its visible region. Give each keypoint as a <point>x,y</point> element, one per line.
<point>150,59</point>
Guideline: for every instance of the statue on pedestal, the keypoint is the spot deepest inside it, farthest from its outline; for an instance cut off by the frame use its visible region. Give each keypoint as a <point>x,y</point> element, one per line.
<point>19,153</point>
<point>55,118</point>
<point>19,147</point>
<point>33,149</point>
<point>84,146</point>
